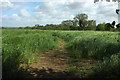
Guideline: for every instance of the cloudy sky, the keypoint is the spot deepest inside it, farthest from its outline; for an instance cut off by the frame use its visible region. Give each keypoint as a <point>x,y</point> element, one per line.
<point>22,13</point>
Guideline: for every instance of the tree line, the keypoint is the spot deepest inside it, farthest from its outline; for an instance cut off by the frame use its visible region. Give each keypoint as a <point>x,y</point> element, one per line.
<point>79,22</point>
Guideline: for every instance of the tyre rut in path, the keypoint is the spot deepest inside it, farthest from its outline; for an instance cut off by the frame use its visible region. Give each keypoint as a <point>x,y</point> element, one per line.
<point>51,64</point>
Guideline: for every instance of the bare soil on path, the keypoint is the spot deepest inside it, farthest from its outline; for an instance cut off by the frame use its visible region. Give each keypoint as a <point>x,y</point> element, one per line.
<point>50,64</point>
<point>53,63</point>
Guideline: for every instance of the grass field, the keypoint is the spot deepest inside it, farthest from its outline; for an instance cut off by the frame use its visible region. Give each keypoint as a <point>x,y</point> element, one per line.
<point>19,46</point>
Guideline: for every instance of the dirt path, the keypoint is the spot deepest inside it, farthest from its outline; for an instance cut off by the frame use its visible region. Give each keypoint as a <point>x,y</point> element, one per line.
<point>53,63</point>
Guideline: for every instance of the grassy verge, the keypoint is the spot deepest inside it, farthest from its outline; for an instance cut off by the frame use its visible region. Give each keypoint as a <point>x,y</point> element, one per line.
<point>20,46</point>
<point>103,46</point>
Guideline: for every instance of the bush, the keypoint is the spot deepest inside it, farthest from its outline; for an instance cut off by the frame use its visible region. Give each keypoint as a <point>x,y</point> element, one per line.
<point>100,27</point>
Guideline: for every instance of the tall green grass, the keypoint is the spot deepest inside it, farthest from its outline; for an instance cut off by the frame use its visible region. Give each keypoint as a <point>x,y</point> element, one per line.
<point>20,46</point>
<point>110,68</point>
<point>91,44</point>
<point>103,46</point>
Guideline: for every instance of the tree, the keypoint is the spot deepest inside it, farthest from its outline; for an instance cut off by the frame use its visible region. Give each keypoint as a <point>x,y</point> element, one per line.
<point>108,26</point>
<point>3,28</point>
<point>27,27</point>
<point>37,25</point>
<point>68,23</point>
<point>91,25</point>
<point>101,27</point>
<point>20,28</point>
<point>80,19</point>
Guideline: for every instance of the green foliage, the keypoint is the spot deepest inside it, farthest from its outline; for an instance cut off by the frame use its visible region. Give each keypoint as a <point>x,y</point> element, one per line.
<point>91,25</point>
<point>27,27</point>
<point>72,69</point>
<point>67,23</point>
<point>108,26</point>
<point>81,19</point>
<point>20,46</point>
<point>95,45</point>
<point>100,27</point>
<point>90,44</point>
<point>110,67</point>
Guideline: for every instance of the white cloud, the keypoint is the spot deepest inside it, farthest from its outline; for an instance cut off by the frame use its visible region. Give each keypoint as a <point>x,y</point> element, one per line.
<point>106,12</point>
<point>15,17</point>
<point>53,12</point>
<point>24,13</point>
<point>5,1</point>
<point>21,0</point>
<point>7,5</point>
